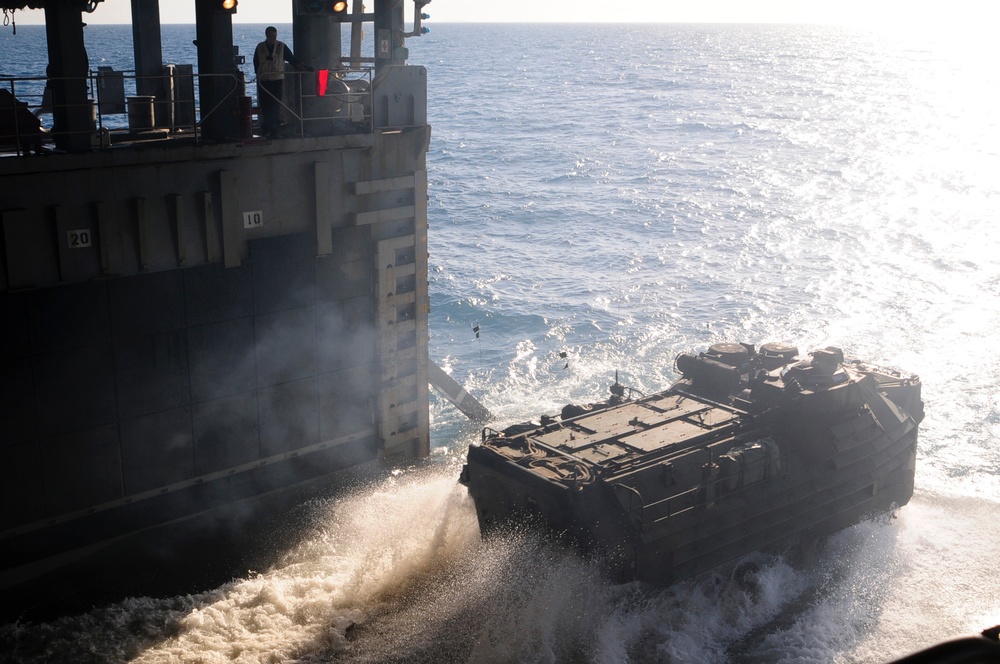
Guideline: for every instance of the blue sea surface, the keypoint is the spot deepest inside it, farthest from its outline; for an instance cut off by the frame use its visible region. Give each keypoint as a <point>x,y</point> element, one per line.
<point>622,194</point>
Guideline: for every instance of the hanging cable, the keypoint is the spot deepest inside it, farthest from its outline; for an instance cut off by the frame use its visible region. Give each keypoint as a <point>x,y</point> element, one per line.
<point>8,19</point>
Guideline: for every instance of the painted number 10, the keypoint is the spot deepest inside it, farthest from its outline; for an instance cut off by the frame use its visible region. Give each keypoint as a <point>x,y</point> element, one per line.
<point>78,239</point>
<point>253,219</point>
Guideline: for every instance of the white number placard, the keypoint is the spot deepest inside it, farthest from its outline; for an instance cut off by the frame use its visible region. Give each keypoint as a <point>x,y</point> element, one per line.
<point>78,239</point>
<point>253,219</point>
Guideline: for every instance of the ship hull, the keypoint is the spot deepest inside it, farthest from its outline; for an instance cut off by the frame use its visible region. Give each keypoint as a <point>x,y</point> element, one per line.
<point>200,324</point>
<point>193,552</point>
<point>182,365</point>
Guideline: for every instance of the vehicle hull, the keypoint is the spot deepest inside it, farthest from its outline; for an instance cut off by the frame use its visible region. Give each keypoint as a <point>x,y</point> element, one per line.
<point>671,485</point>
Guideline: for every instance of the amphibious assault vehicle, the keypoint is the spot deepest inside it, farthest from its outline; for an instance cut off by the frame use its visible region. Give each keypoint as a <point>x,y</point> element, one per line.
<point>749,448</point>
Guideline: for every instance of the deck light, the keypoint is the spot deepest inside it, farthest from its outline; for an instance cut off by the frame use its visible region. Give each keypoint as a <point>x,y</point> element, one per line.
<point>335,7</point>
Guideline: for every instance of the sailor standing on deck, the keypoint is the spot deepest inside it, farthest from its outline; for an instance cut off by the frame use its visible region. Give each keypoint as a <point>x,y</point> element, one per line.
<point>269,64</point>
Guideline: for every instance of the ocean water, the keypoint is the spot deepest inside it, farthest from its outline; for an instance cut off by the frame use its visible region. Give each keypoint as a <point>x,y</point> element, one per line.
<point>622,194</point>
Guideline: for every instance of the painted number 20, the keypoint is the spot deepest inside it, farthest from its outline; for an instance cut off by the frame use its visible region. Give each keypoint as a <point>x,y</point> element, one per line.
<point>78,239</point>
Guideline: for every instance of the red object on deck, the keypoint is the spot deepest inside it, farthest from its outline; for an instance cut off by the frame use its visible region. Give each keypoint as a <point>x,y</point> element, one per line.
<point>322,78</point>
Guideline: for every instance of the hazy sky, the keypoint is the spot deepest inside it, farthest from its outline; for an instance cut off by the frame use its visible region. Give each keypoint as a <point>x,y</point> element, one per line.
<point>919,12</point>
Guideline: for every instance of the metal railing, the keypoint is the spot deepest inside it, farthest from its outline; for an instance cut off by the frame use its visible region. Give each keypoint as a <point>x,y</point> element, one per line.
<point>350,107</point>
<point>114,115</point>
